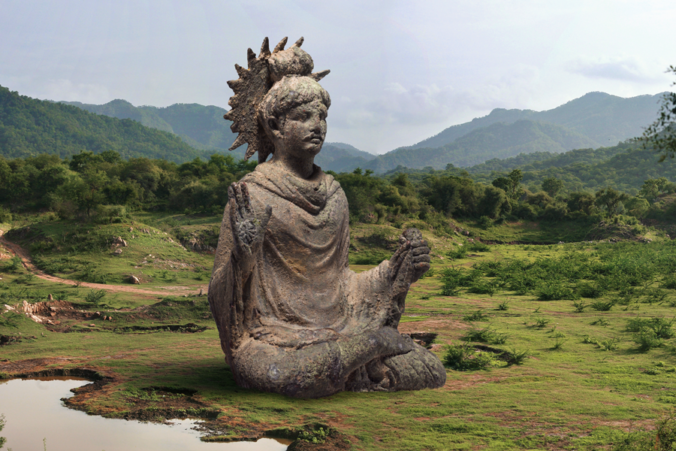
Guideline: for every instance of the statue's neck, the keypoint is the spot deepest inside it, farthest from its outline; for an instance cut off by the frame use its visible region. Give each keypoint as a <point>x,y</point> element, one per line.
<point>300,167</point>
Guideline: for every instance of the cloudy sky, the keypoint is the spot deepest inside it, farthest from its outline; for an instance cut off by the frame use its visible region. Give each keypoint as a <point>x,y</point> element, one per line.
<point>401,71</point>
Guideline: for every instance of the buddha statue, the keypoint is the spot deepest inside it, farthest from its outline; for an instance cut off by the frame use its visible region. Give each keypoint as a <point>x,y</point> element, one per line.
<point>292,317</point>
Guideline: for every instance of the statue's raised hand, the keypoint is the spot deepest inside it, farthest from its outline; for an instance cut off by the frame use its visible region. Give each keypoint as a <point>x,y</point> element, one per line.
<point>248,227</point>
<point>411,260</point>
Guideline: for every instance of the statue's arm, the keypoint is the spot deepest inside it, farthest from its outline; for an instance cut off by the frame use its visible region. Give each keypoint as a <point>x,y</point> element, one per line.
<point>378,295</point>
<point>240,241</point>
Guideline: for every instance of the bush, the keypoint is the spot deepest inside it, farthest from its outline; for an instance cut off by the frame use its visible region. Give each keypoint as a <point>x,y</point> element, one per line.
<point>478,247</point>
<point>5,215</point>
<point>556,292</point>
<point>664,439</point>
<point>601,306</point>
<point>647,340</point>
<point>486,335</point>
<point>586,290</point>
<point>13,265</point>
<point>106,214</point>
<point>450,279</point>
<point>95,297</point>
<point>482,287</point>
<point>465,358</point>
<point>516,357</point>
<point>457,254</point>
<point>479,315</point>
<point>484,222</point>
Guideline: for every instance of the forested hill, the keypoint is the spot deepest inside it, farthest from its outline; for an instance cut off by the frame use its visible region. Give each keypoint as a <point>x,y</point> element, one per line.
<point>202,127</point>
<point>603,118</point>
<point>624,167</point>
<point>31,127</point>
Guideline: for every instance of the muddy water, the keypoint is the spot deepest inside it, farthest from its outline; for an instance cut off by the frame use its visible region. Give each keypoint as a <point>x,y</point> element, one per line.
<point>34,412</point>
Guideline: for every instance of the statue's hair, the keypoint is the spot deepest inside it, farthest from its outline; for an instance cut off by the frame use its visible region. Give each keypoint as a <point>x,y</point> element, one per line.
<point>270,72</point>
<point>292,91</point>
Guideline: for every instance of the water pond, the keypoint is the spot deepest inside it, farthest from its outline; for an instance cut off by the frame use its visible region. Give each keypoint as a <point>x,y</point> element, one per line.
<point>36,419</point>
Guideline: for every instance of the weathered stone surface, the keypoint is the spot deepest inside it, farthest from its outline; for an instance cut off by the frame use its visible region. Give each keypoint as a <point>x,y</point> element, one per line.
<point>292,317</point>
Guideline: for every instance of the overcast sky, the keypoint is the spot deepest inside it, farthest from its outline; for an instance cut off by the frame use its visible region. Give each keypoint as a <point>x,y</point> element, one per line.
<point>401,71</point>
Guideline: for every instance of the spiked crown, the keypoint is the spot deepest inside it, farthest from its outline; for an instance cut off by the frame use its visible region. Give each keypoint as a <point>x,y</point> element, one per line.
<point>254,83</point>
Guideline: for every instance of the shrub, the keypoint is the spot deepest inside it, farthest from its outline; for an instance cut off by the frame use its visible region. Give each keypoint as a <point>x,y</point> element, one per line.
<point>668,282</point>
<point>482,287</point>
<point>647,340</point>
<point>457,254</point>
<point>5,215</point>
<point>590,291</point>
<point>450,280</point>
<point>486,335</point>
<point>484,222</point>
<point>556,292</point>
<point>504,306</point>
<point>516,357</point>
<point>558,343</point>
<point>95,297</point>
<point>602,306</point>
<point>541,323</point>
<point>479,315</point>
<point>465,358</point>
<point>609,345</point>
<point>579,306</point>
<point>315,436</point>
<point>13,265</point>
<point>663,439</point>
<point>478,247</point>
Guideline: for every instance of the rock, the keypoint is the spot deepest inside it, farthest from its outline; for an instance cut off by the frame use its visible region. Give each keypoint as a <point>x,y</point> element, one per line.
<point>50,297</point>
<point>118,241</point>
<point>117,252</point>
<point>135,280</point>
<point>131,229</point>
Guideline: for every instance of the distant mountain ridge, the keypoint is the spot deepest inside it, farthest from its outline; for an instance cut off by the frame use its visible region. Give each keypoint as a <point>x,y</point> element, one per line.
<point>594,120</point>
<point>604,118</point>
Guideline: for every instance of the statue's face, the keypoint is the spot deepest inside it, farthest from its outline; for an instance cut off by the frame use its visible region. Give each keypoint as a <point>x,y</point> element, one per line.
<point>304,129</point>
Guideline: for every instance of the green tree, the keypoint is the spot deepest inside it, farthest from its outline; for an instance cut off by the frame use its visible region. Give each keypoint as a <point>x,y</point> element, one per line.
<point>653,187</point>
<point>552,186</point>
<point>661,134</point>
<point>610,199</point>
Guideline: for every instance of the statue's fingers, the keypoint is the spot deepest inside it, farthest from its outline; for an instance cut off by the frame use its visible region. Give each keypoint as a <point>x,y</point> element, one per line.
<point>420,250</point>
<point>421,267</point>
<point>240,200</point>
<point>248,208</point>
<point>418,243</point>
<point>421,258</point>
<point>398,257</point>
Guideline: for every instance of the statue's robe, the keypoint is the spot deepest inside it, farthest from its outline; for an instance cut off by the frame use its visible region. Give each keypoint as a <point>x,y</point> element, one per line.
<point>299,321</point>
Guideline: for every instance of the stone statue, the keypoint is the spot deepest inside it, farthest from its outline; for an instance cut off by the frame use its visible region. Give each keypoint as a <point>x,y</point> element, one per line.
<point>292,317</point>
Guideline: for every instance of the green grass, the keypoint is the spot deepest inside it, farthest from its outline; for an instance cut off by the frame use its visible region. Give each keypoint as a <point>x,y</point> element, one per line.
<point>552,381</point>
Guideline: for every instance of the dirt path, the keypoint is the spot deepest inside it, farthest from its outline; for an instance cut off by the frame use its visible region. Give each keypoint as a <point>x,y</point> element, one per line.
<point>28,264</point>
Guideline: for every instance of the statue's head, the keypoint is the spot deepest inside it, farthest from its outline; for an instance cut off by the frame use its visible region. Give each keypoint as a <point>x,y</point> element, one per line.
<point>279,105</point>
<point>293,114</point>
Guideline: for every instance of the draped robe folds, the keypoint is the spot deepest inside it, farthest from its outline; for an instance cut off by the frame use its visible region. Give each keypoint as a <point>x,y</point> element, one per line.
<point>300,322</point>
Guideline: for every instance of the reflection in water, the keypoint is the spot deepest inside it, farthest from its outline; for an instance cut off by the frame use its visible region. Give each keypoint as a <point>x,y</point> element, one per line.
<point>33,412</point>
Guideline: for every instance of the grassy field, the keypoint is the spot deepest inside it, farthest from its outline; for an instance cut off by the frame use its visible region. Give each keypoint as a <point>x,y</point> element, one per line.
<point>548,346</point>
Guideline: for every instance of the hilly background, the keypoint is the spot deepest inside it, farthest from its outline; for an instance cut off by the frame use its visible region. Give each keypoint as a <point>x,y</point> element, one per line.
<point>182,132</point>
